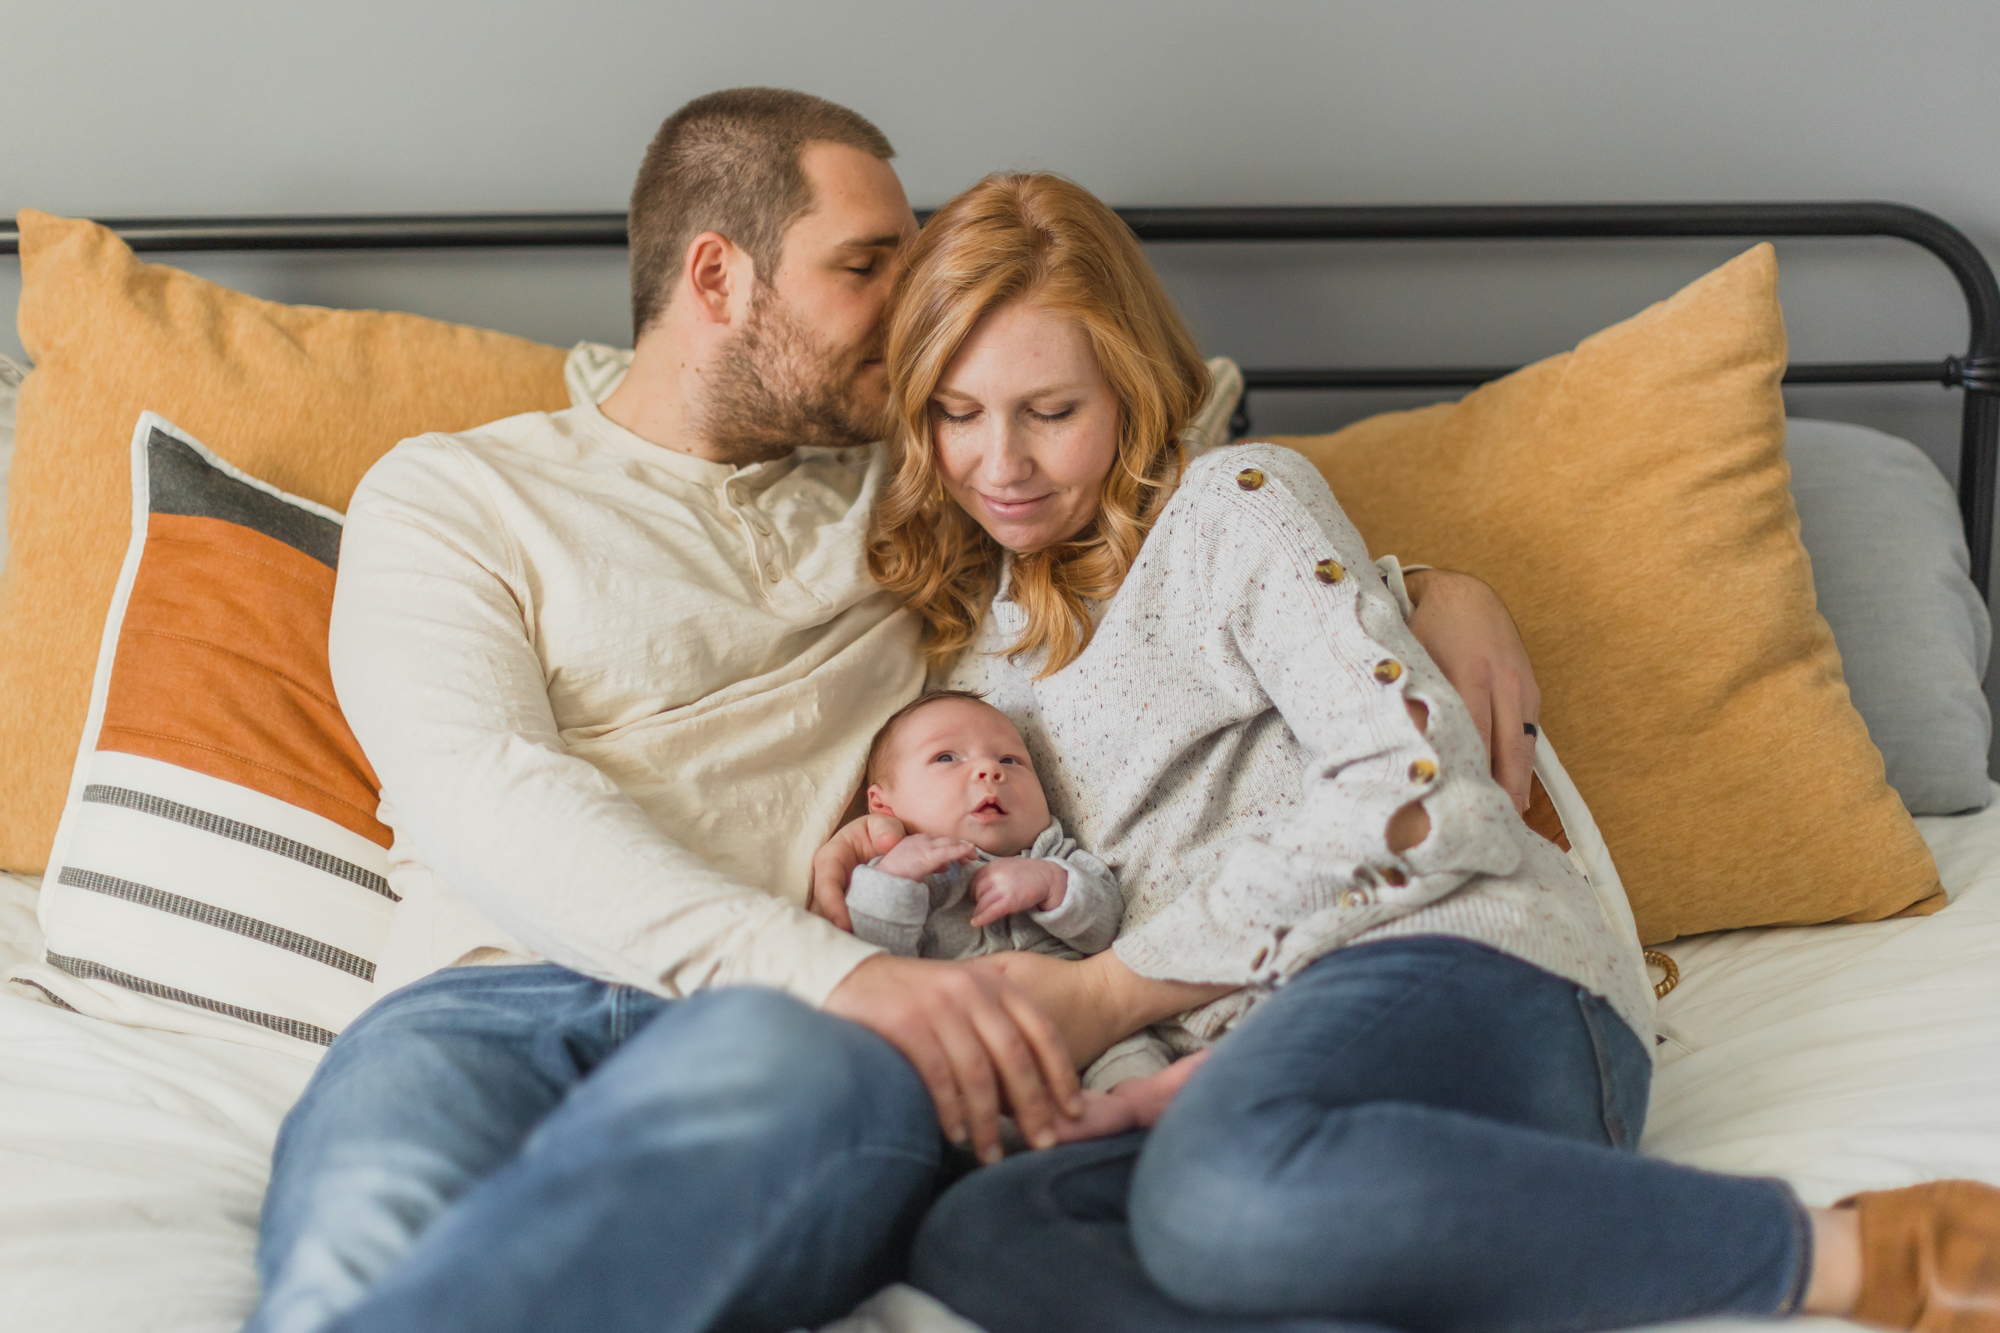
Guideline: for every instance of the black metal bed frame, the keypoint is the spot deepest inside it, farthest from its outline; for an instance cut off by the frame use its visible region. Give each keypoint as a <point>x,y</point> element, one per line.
<point>1976,373</point>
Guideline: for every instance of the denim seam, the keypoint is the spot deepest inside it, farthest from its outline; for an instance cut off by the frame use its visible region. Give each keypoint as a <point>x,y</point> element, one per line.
<point>1607,1110</point>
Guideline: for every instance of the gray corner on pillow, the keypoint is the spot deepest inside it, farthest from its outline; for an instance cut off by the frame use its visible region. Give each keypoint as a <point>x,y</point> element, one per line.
<point>1889,564</point>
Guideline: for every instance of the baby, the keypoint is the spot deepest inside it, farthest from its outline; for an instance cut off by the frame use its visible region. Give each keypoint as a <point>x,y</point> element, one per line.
<point>983,868</point>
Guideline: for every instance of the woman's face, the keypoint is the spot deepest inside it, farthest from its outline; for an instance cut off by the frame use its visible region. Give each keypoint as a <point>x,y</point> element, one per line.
<point>1026,426</point>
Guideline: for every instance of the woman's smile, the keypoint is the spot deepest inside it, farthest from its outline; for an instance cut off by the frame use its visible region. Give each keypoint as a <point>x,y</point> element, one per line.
<point>1012,510</point>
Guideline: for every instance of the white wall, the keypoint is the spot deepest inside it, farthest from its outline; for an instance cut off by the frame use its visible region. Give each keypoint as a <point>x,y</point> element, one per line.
<point>113,107</point>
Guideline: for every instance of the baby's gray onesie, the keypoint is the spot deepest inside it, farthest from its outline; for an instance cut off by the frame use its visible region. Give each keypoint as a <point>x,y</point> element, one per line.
<point>932,918</point>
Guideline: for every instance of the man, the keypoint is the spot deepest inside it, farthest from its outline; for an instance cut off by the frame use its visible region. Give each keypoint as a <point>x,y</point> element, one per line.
<point>617,670</point>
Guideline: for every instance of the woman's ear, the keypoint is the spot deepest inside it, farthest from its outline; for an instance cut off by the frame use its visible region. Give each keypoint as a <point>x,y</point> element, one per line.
<point>878,804</point>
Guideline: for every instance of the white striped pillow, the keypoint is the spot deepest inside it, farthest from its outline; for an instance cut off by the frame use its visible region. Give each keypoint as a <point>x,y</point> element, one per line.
<point>219,867</point>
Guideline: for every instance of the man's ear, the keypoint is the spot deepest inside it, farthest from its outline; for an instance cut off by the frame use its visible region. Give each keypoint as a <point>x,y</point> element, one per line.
<point>878,804</point>
<point>716,274</point>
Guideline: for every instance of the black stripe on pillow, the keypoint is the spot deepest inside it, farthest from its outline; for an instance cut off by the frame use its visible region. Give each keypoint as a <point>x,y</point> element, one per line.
<point>291,1027</point>
<point>53,998</point>
<point>223,827</point>
<point>181,481</point>
<point>261,931</point>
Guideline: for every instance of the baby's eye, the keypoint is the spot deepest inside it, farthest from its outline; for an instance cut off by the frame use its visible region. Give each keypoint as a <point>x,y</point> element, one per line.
<point>1010,759</point>
<point>943,757</point>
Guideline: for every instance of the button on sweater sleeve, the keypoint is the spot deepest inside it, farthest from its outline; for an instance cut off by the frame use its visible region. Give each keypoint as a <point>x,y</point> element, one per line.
<point>436,673</point>
<point>1293,610</point>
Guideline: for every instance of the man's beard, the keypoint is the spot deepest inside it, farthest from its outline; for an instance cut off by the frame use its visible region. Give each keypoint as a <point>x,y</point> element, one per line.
<point>778,387</point>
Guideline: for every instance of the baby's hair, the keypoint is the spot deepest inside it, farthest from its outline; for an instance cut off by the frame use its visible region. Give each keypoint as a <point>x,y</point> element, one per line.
<point>881,741</point>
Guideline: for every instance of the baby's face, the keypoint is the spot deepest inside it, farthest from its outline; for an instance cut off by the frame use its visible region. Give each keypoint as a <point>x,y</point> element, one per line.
<point>958,769</point>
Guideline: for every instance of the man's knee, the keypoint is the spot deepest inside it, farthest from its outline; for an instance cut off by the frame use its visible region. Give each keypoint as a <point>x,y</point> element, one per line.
<point>787,1068</point>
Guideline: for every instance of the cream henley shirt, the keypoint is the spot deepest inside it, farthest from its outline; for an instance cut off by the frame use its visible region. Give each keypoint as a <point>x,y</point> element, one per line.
<point>616,697</point>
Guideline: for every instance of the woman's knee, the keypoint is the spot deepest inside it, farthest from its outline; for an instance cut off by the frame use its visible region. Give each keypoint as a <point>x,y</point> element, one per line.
<point>1334,1211</point>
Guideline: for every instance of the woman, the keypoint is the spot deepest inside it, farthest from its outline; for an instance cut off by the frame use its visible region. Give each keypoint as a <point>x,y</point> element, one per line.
<point>1437,1063</point>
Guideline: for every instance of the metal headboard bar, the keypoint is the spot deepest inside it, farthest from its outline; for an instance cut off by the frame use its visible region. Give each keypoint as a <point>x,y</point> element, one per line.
<point>1977,373</point>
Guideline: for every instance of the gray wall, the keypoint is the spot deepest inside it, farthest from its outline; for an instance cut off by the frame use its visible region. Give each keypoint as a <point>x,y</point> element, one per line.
<point>207,106</point>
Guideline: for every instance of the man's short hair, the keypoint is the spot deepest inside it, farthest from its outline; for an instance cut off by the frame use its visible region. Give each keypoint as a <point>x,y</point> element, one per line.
<point>878,748</point>
<point>729,163</point>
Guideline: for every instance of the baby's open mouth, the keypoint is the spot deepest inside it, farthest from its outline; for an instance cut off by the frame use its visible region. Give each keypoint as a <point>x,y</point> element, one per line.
<point>991,805</point>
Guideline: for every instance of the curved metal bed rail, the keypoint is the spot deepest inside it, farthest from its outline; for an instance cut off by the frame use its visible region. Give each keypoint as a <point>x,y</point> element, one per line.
<point>1976,373</point>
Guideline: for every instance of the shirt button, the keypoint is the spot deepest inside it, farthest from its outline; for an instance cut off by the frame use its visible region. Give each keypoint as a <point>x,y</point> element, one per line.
<point>773,573</point>
<point>1249,479</point>
<point>1353,898</point>
<point>1423,771</point>
<point>1330,571</point>
<point>1388,670</point>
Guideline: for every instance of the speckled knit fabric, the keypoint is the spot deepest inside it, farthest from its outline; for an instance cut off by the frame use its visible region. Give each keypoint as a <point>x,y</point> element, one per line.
<point>1234,741</point>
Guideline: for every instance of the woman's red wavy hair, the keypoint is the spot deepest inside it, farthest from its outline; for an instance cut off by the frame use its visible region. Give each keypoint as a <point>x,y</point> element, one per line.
<point>1046,240</point>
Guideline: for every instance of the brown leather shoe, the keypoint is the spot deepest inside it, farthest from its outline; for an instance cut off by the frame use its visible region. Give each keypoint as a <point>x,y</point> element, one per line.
<point>1930,1257</point>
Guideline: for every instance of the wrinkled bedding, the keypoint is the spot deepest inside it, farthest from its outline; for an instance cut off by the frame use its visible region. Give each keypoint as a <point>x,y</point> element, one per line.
<point>1836,1057</point>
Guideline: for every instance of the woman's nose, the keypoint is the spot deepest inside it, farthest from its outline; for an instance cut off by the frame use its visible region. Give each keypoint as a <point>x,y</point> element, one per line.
<point>1002,462</point>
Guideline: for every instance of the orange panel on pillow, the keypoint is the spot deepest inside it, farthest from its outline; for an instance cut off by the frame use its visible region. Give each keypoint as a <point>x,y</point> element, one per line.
<point>304,399</point>
<point>222,668</point>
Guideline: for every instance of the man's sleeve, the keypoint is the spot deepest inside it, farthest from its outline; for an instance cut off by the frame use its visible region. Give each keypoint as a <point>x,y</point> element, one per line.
<point>435,673</point>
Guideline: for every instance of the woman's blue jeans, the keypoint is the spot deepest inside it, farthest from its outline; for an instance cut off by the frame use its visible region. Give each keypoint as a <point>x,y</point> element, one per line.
<point>523,1148</point>
<point>1421,1133</point>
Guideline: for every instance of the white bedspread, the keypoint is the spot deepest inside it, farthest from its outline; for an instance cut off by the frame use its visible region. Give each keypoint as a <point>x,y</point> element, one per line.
<point>1837,1057</point>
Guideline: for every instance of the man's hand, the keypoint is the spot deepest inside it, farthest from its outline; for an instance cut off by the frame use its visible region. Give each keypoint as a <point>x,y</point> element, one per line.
<point>974,1037</point>
<point>924,854</point>
<point>858,843</point>
<point>1016,884</point>
<point>1465,627</point>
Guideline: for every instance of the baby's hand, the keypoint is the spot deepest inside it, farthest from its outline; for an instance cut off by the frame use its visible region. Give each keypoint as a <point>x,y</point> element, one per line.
<point>1017,884</point>
<point>1136,1103</point>
<point>924,854</point>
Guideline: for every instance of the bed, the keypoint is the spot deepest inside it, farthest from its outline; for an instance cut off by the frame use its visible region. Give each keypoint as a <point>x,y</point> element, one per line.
<point>1838,1057</point>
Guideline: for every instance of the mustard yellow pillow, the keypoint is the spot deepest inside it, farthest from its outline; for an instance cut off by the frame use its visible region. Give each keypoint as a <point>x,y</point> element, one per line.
<point>305,399</point>
<point>1629,501</point>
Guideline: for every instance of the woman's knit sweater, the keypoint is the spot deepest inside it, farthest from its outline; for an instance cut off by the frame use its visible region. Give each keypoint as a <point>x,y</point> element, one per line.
<point>1234,741</point>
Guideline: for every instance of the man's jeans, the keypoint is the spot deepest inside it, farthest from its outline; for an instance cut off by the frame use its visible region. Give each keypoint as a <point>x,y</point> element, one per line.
<point>523,1148</point>
<point>1420,1133</point>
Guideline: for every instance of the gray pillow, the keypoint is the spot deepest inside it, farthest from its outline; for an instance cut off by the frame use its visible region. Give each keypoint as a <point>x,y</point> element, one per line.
<point>1888,557</point>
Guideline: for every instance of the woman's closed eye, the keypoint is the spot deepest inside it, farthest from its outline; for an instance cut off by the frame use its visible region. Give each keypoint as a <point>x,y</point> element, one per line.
<point>1064,415</point>
<point>946,416</point>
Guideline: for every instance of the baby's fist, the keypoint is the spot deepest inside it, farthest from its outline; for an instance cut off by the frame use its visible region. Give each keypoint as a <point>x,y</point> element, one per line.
<point>1017,884</point>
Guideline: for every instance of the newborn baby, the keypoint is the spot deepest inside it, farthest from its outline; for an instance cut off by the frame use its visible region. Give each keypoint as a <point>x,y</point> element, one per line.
<point>983,868</point>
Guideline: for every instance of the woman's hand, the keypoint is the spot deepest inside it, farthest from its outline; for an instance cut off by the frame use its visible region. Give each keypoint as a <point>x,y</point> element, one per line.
<point>858,843</point>
<point>1098,1001</point>
<point>1465,628</point>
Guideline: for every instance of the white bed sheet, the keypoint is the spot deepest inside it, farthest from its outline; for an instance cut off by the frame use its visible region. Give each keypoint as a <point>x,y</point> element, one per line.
<point>1836,1057</point>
